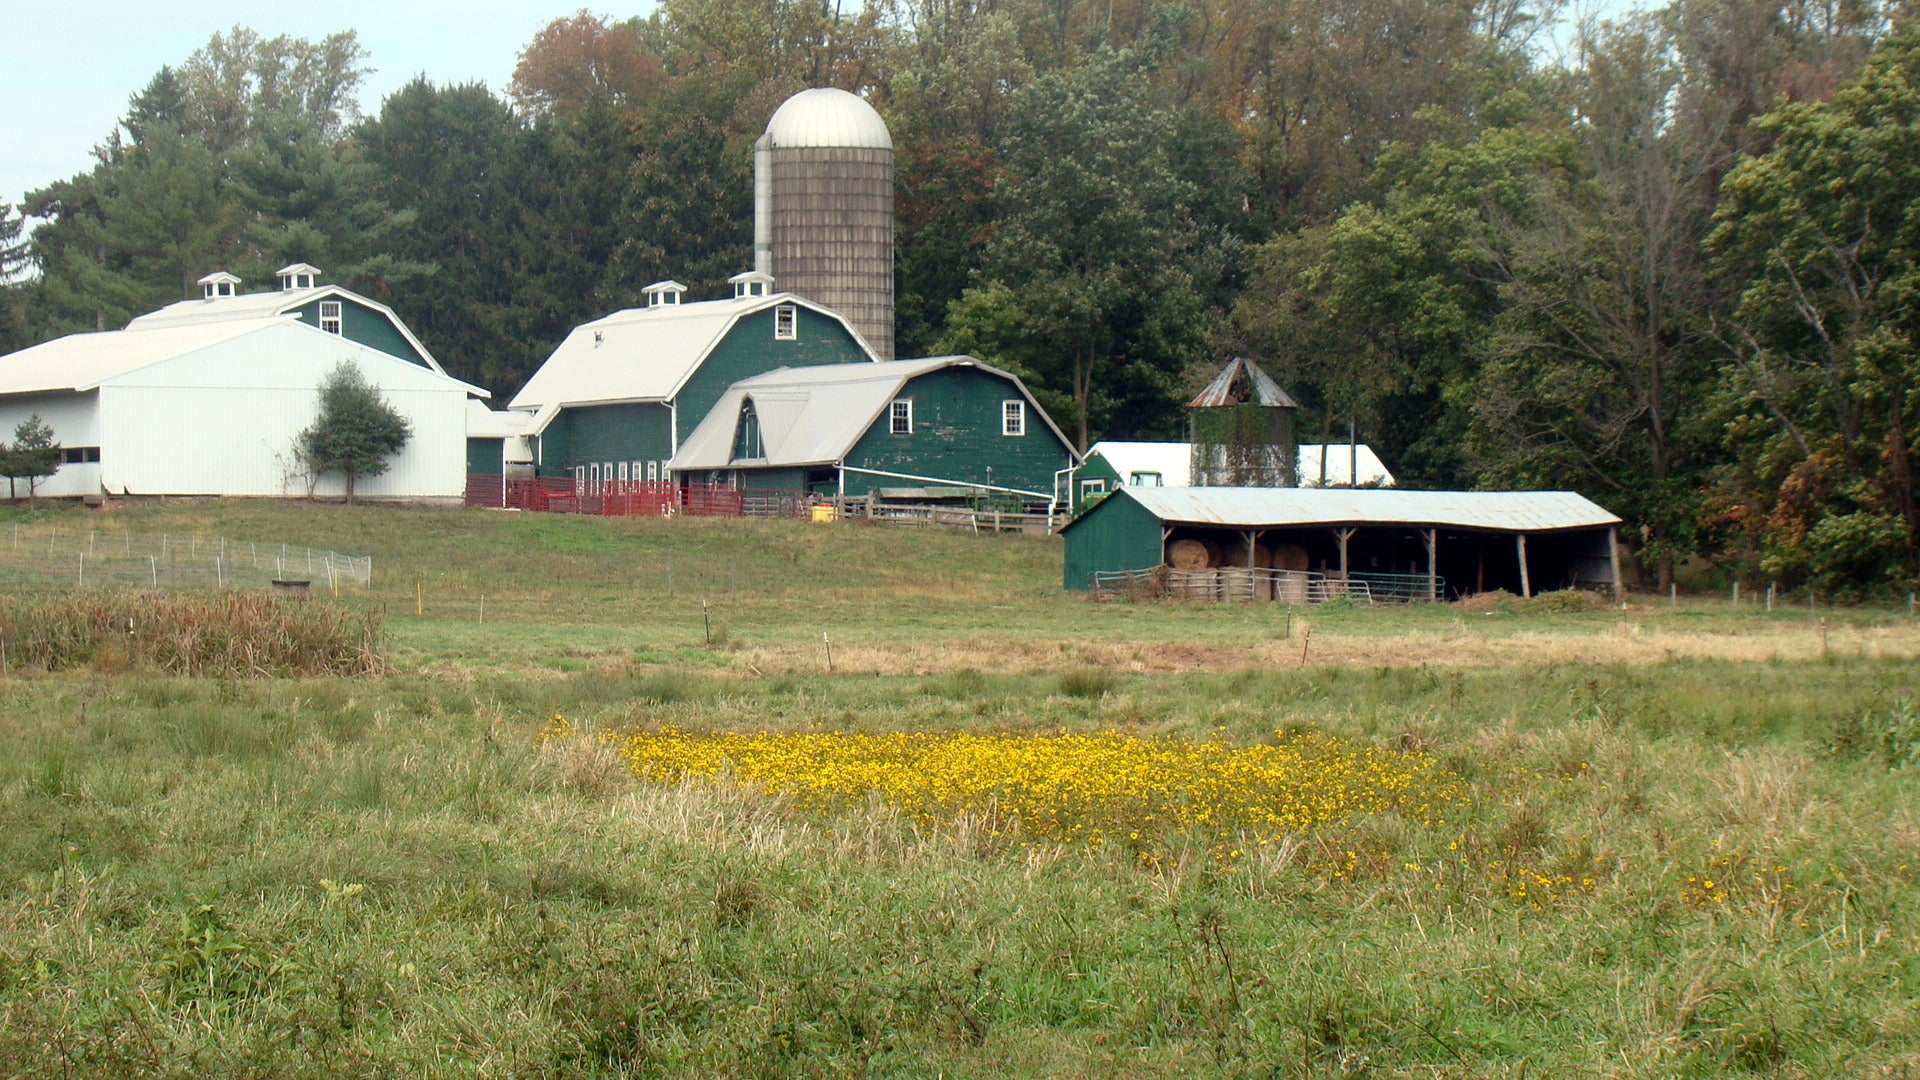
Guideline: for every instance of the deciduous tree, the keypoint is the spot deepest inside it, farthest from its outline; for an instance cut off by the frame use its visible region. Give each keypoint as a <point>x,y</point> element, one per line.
<point>355,432</point>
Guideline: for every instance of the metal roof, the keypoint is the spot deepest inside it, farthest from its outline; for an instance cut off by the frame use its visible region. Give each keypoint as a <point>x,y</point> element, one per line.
<point>81,362</point>
<point>1220,391</point>
<point>269,305</point>
<point>1174,462</point>
<point>485,423</point>
<point>642,354</point>
<point>827,117</point>
<point>814,415</point>
<point>1503,511</point>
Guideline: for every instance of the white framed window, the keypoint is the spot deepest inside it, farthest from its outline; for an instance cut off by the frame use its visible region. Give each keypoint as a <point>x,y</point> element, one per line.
<point>330,320</point>
<point>786,323</point>
<point>623,472</point>
<point>1013,418</point>
<point>653,472</point>
<point>1090,488</point>
<point>1143,478</point>
<point>593,478</point>
<point>580,479</point>
<point>900,417</point>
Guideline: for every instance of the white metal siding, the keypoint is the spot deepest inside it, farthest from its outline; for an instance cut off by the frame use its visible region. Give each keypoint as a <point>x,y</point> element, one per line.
<point>222,420</point>
<point>75,420</point>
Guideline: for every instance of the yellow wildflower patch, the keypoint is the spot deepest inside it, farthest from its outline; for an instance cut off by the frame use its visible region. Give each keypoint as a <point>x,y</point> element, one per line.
<point>1092,787</point>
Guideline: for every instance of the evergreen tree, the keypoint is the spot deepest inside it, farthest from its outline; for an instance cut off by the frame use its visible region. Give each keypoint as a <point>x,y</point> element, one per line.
<point>33,456</point>
<point>355,432</point>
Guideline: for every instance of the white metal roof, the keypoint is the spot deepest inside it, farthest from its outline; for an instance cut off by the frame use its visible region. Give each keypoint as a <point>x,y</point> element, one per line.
<point>1505,511</point>
<point>268,305</point>
<point>80,362</point>
<point>485,423</point>
<point>827,117</point>
<point>84,361</point>
<point>642,354</point>
<point>814,415</point>
<point>1174,462</point>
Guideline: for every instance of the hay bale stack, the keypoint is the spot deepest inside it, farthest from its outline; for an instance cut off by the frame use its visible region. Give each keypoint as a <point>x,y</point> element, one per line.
<point>1289,557</point>
<point>1193,554</point>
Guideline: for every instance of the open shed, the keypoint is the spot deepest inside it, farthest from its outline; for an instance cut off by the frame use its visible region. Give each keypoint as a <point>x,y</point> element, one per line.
<point>1405,544</point>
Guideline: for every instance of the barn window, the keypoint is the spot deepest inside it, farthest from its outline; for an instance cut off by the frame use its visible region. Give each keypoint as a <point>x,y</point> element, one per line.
<point>786,323</point>
<point>330,316</point>
<point>1091,488</point>
<point>623,472</point>
<point>79,455</point>
<point>653,472</point>
<point>1013,418</point>
<point>1143,478</point>
<point>746,434</point>
<point>900,417</point>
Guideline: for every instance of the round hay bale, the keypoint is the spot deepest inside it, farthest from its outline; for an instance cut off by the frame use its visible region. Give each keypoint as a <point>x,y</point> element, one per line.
<point>1263,556</point>
<point>1189,555</point>
<point>1289,557</point>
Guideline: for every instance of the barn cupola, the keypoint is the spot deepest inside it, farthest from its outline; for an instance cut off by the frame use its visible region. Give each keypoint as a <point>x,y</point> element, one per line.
<point>219,285</point>
<point>663,294</point>
<point>299,276</point>
<point>751,284</point>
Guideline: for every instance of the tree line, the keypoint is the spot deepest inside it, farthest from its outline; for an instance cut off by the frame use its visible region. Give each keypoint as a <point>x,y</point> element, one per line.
<point>1663,260</point>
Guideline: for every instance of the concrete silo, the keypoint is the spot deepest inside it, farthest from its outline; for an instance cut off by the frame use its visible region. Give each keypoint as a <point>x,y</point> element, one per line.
<point>823,208</point>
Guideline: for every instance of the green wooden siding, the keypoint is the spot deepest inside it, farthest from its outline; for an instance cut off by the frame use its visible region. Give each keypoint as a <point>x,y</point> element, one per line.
<point>749,349</point>
<point>1117,534</point>
<point>956,437</point>
<point>638,431</point>
<point>777,478</point>
<point>487,457</point>
<point>368,327</point>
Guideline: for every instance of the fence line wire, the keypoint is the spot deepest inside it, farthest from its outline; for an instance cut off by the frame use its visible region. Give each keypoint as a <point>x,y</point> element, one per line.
<point>94,556</point>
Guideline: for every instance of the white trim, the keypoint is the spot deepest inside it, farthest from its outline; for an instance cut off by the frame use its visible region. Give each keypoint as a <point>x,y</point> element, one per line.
<point>894,418</point>
<point>946,480</point>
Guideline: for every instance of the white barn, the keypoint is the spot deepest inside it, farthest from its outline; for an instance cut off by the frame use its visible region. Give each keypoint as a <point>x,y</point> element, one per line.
<point>212,407</point>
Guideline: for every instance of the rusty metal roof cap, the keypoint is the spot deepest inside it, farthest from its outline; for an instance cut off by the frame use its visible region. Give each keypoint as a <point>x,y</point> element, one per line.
<point>1219,392</point>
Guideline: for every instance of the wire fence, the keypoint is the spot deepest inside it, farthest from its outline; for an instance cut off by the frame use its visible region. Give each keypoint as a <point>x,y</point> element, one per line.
<point>42,554</point>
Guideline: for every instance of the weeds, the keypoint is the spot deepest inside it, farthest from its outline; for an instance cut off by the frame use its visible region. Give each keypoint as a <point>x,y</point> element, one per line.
<point>241,635</point>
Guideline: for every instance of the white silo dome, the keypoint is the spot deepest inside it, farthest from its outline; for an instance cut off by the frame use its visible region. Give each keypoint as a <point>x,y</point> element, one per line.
<point>828,117</point>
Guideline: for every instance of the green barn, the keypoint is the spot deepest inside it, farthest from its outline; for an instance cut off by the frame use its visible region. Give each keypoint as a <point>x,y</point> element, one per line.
<point>1410,544</point>
<point>621,394</point>
<point>937,427</point>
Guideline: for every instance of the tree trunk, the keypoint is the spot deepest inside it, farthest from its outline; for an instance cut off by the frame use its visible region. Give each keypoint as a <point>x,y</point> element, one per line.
<point>350,479</point>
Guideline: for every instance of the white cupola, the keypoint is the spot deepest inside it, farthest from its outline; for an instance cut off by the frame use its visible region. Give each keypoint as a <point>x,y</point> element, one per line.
<point>664,293</point>
<point>219,284</point>
<point>299,276</point>
<point>751,284</point>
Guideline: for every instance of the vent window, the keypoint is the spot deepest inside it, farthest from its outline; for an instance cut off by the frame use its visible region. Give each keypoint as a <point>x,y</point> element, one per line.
<point>330,320</point>
<point>1013,418</point>
<point>786,323</point>
<point>900,417</point>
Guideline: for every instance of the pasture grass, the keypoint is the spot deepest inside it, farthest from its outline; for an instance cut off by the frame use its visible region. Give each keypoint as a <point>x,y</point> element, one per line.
<point>1687,842</point>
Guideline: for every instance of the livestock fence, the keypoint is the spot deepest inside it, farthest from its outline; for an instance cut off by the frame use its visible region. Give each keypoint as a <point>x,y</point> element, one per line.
<point>1248,585</point>
<point>630,498</point>
<point>40,554</point>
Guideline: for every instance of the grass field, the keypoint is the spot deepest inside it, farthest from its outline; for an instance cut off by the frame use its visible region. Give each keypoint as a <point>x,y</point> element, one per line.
<point>1662,842</point>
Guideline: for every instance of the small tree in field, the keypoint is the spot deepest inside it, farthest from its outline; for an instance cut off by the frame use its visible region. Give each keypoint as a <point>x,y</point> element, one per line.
<point>356,431</point>
<point>32,456</point>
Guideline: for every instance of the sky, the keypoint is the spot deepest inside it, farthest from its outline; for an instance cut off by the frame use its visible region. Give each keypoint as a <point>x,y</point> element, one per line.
<point>68,67</point>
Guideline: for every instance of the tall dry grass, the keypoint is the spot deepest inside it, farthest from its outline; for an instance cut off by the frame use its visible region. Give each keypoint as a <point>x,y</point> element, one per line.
<point>234,634</point>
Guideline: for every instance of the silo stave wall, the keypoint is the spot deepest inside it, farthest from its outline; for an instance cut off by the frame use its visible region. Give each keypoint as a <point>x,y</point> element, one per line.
<point>832,239</point>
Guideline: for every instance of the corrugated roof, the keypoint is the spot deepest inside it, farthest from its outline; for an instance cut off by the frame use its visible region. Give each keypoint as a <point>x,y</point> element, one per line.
<point>643,354</point>
<point>1220,391</point>
<point>84,361</point>
<point>1505,511</point>
<point>1174,462</point>
<point>268,305</point>
<point>814,415</point>
<point>827,117</point>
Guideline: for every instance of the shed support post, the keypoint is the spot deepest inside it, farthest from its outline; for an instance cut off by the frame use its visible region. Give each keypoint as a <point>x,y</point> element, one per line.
<point>1526,586</point>
<point>1613,553</point>
<point>1432,537</point>
<point>1480,564</point>
<point>1343,535</point>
